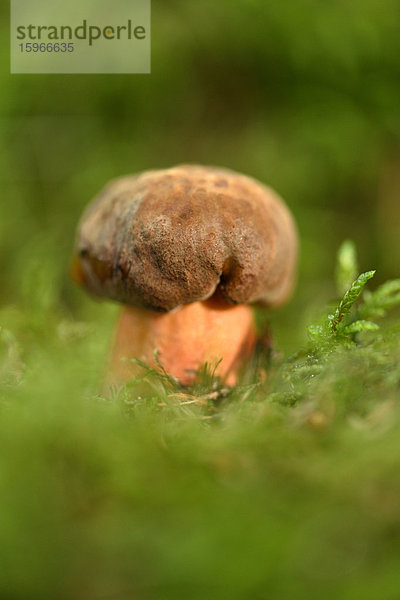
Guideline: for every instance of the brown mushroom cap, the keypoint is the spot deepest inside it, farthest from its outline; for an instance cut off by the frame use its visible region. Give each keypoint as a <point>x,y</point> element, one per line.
<point>165,238</point>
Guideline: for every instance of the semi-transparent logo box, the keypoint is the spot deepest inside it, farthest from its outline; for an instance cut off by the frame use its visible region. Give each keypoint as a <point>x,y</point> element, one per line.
<point>80,36</point>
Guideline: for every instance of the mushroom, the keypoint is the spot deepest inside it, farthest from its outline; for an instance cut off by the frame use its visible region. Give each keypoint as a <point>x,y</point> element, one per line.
<point>186,250</point>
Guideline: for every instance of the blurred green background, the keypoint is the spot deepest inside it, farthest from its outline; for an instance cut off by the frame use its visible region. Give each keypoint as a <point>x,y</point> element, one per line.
<point>303,95</point>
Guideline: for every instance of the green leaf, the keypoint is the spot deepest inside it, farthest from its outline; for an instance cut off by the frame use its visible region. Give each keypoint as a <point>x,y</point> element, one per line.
<point>359,326</point>
<point>349,299</point>
<point>346,267</point>
<point>377,303</point>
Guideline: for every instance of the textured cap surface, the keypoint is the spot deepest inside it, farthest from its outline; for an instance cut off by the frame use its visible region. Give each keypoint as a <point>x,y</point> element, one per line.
<point>165,238</point>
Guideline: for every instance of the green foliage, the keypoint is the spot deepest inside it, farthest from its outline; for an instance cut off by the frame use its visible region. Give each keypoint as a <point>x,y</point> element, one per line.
<point>287,486</point>
<point>279,487</point>
<point>357,305</point>
<point>338,339</point>
<point>282,486</point>
<point>377,303</point>
<point>359,326</point>
<point>350,297</point>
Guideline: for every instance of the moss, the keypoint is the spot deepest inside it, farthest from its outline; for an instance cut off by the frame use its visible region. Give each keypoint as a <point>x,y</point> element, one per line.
<point>286,486</point>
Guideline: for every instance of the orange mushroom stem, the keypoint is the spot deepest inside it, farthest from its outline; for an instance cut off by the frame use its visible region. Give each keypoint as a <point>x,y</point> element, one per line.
<point>210,331</point>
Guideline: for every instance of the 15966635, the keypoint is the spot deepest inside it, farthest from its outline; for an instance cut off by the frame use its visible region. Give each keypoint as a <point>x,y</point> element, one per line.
<point>47,47</point>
